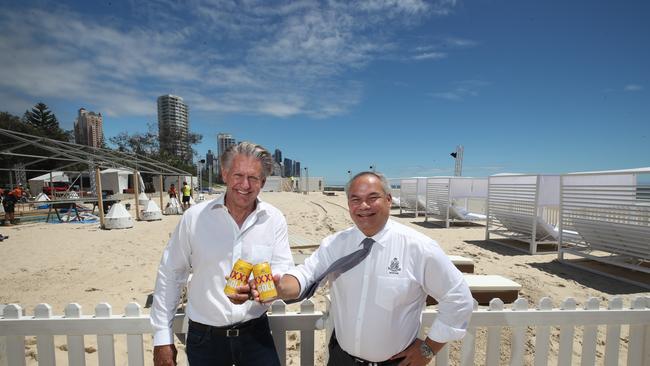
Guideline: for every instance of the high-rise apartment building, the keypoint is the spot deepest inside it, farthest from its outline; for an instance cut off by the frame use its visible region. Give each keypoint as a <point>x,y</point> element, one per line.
<point>174,126</point>
<point>288,167</point>
<point>277,156</point>
<point>209,159</point>
<point>88,129</point>
<point>296,168</point>
<point>224,141</point>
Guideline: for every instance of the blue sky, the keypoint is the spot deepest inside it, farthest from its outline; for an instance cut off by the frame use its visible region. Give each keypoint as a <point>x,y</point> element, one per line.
<point>524,86</point>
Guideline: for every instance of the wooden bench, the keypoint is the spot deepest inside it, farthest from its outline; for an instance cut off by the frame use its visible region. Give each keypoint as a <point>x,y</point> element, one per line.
<point>487,287</point>
<point>464,264</point>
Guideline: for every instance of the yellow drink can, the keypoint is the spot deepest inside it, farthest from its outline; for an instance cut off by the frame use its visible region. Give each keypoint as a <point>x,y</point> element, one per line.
<point>264,281</point>
<point>238,276</point>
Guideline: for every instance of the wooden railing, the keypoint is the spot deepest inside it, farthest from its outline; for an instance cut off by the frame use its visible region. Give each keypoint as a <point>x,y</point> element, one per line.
<point>495,336</point>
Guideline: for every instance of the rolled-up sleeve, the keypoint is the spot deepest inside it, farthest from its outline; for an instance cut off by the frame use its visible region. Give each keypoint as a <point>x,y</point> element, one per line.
<point>314,265</point>
<point>172,277</point>
<point>444,282</point>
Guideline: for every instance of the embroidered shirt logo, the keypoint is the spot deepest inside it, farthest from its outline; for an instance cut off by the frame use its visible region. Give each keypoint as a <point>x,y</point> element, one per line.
<point>394,267</point>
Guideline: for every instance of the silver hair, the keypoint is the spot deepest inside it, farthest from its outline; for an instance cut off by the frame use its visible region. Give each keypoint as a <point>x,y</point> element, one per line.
<point>384,182</point>
<point>248,149</point>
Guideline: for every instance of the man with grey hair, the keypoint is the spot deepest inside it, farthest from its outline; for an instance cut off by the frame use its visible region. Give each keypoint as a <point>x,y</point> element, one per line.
<point>380,274</point>
<point>210,238</point>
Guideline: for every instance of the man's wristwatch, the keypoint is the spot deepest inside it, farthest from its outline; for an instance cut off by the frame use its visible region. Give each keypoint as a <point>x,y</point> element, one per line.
<point>426,351</point>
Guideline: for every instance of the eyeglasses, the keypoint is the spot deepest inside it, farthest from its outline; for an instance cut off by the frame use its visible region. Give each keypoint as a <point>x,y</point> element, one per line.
<point>370,200</point>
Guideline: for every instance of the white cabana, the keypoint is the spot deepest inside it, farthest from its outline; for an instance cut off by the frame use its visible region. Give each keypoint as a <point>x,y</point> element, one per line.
<point>151,212</point>
<point>118,217</point>
<point>273,184</point>
<point>449,199</point>
<point>395,191</point>
<point>116,180</point>
<point>313,184</point>
<point>524,208</point>
<point>605,216</point>
<point>413,195</point>
<point>36,184</point>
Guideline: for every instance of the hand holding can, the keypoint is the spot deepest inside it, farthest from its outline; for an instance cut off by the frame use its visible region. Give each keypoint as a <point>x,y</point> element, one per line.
<point>238,276</point>
<point>264,282</point>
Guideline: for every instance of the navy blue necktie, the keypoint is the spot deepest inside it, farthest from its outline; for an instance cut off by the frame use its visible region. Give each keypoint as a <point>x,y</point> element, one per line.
<point>340,266</point>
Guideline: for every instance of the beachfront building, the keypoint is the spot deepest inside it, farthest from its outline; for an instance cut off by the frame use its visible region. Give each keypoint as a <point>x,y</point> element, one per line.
<point>88,128</point>
<point>277,156</point>
<point>277,169</point>
<point>288,167</point>
<point>224,141</point>
<point>173,126</point>
<point>296,168</point>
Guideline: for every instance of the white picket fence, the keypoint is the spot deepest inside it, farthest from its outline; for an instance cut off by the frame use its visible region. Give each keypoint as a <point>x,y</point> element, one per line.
<point>626,333</point>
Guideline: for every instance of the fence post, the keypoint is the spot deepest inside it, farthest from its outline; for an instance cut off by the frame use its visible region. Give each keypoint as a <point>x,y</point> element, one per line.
<point>613,336</point>
<point>105,347</point>
<point>637,336</point>
<point>590,336</point>
<point>3,341</point>
<point>518,346</point>
<point>44,343</point>
<point>307,337</point>
<point>76,351</point>
<point>493,349</point>
<point>15,344</point>
<point>134,345</point>
<point>543,334</point>
<point>468,346</point>
<point>566,335</point>
<point>280,335</point>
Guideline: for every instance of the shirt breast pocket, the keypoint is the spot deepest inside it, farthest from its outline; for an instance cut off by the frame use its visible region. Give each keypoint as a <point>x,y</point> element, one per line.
<point>391,291</point>
<point>262,253</point>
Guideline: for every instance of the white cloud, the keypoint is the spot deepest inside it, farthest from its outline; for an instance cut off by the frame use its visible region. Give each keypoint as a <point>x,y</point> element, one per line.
<point>430,56</point>
<point>633,87</point>
<point>462,90</point>
<point>280,109</point>
<point>460,42</point>
<point>438,48</point>
<point>289,58</point>
<point>407,6</point>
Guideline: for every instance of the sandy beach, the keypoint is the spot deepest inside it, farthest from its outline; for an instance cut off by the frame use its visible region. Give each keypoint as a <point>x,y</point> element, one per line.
<point>64,263</point>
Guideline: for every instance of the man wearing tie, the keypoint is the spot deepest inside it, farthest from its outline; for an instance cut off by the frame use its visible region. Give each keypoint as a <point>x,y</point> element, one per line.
<point>380,273</point>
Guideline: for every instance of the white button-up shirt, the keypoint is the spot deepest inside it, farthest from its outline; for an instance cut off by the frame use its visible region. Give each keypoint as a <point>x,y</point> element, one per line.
<point>207,242</point>
<point>376,306</point>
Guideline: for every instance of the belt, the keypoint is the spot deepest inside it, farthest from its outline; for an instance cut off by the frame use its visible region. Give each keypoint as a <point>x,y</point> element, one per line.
<point>359,361</point>
<point>230,331</point>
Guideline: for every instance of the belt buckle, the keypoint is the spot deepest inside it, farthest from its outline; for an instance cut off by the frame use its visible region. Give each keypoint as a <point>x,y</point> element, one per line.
<point>232,333</point>
<point>364,362</point>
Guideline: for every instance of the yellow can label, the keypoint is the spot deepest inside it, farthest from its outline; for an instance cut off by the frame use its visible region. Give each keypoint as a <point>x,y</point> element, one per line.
<point>264,281</point>
<point>238,276</point>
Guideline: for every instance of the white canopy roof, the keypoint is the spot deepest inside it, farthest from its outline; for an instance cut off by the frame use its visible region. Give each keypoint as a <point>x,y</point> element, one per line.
<point>118,171</point>
<point>620,171</point>
<point>56,177</point>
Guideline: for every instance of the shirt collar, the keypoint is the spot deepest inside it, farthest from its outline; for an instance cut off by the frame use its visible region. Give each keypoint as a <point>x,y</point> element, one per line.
<point>380,237</point>
<point>220,202</point>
